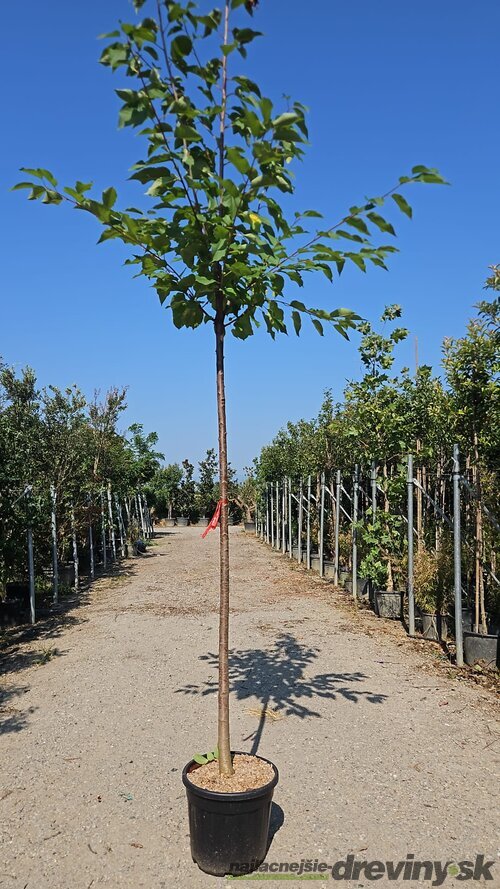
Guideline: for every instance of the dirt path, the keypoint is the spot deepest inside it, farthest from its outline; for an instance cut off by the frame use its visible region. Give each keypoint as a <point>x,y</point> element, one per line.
<point>379,753</point>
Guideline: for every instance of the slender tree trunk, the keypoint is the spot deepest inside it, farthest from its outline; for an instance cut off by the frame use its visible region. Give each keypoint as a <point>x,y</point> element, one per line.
<point>224,744</point>
<point>480,615</point>
<point>225,761</point>
<point>387,509</point>
<point>419,499</point>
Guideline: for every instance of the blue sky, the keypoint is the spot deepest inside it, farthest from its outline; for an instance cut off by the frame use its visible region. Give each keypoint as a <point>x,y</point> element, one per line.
<point>388,85</point>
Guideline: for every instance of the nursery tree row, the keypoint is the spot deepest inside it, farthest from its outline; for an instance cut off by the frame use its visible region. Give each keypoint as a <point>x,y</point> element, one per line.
<point>174,492</point>
<point>384,417</point>
<point>64,463</point>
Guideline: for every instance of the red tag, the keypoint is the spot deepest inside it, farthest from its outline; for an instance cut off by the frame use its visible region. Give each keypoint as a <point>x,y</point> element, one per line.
<point>214,521</point>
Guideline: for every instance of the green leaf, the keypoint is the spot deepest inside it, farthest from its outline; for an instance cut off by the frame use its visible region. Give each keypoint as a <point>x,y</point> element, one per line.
<point>357,260</point>
<point>181,46</point>
<point>186,312</point>
<point>286,118</point>
<point>40,173</point>
<point>236,157</point>
<point>381,223</point>
<point>242,326</point>
<point>297,322</point>
<point>187,132</point>
<point>361,226</point>
<point>109,197</point>
<point>245,35</point>
<point>200,759</point>
<point>403,204</point>
<point>318,325</point>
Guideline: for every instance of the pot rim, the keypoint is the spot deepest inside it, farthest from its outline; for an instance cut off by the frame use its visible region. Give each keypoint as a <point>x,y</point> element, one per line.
<point>235,796</point>
<point>481,635</point>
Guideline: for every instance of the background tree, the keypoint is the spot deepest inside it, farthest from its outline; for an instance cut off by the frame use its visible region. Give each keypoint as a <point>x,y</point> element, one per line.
<point>163,490</point>
<point>207,488</point>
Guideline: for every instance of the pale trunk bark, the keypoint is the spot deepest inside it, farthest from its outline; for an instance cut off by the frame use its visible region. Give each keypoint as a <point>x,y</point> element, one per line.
<point>224,744</point>
<point>390,575</point>
<point>225,760</point>
<point>480,616</point>
<point>419,500</point>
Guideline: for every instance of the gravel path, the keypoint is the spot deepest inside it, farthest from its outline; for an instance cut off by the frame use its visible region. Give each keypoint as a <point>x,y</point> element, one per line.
<point>381,751</point>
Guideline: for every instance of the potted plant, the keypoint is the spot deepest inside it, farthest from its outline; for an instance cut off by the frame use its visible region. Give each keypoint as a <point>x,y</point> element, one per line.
<point>433,586</point>
<point>187,495</point>
<point>163,492</point>
<point>378,543</point>
<point>218,248</point>
<point>207,490</point>
<point>246,499</point>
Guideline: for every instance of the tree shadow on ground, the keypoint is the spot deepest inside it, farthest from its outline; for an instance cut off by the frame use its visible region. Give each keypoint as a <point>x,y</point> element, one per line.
<point>26,645</point>
<point>12,717</point>
<point>278,677</point>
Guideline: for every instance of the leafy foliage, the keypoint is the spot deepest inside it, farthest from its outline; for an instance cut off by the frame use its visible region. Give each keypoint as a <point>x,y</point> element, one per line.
<point>215,238</point>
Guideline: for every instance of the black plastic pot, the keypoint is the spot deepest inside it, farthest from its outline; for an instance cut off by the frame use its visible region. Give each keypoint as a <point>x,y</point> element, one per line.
<point>66,574</point>
<point>12,613</point>
<point>169,523</point>
<point>19,592</point>
<point>434,626</point>
<point>343,577</point>
<point>362,587</point>
<point>482,648</point>
<point>388,604</point>
<point>201,522</point>
<point>229,831</point>
<point>181,521</point>
<point>467,618</point>
<point>249,526</point>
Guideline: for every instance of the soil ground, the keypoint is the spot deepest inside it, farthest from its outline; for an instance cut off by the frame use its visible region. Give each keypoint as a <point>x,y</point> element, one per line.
<point>383,749</point>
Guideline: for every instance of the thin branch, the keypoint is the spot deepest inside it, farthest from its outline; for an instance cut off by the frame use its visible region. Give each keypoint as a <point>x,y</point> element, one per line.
<point>327,231</point>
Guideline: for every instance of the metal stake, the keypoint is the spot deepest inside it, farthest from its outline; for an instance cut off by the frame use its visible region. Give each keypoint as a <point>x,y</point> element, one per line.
<point>411,593</point>
<point>76,564</point>
<point>322,526</point>
<point>301,518</point>
<point>31,569</point>
<point>103,532</point>
<point>355,533</point>
<point>373,478</point>
<point>338,494</point>
<point>55,567</point>
<point>308,537</point>
<point>457,563</point>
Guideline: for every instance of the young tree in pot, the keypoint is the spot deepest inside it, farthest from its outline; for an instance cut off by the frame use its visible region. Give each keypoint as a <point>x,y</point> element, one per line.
<point>207,492</point>
<point>163,491</point>
<point>246,498</point>
<point>379,540</point>
<point>187,492</point>
<point>472,366</point>
<point>217,244</point>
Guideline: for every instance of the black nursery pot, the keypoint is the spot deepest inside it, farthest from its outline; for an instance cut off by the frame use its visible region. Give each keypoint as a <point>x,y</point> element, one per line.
<point>482,648</point>
<point>229,831</point>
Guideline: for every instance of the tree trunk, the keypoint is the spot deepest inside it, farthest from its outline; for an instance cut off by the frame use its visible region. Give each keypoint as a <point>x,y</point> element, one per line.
<point>225,761</point>
<point>387,509</point>
<point>419,499</point>
<point>480,616</point>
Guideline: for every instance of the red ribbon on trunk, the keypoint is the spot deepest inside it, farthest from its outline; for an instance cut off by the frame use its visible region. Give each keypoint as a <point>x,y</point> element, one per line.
<point>214,521</point>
